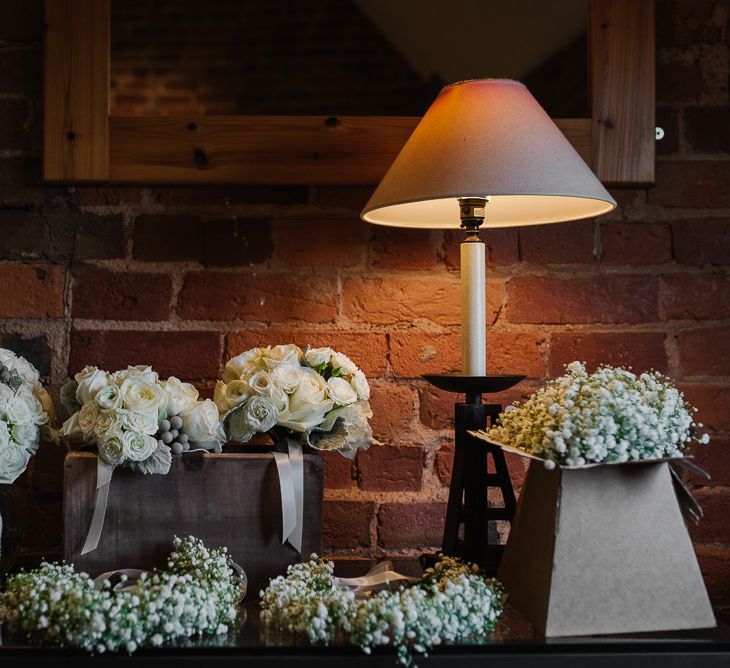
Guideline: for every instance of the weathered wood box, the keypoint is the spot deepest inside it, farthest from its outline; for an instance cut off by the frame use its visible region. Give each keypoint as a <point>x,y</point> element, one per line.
<point>226,499</point>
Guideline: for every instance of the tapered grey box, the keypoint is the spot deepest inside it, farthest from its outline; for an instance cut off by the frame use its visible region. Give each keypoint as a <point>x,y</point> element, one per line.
<point>603,550</point>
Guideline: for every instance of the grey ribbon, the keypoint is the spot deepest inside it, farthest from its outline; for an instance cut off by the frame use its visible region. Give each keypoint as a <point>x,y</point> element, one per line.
<point>379,576</point>
<point>104,473</point>
<point>290,467</point>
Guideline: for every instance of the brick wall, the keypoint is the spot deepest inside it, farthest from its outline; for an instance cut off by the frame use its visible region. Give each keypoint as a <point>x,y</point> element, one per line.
<point>184,277</point>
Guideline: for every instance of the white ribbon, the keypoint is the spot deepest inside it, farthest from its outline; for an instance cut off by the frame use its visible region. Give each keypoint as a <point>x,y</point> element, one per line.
<point>378,577</point>
<point>290,467</point>
<point>104,473</point>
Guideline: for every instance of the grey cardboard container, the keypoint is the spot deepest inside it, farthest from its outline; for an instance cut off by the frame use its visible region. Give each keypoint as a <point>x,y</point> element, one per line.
<point>225,499</point>
<point>603,550</point>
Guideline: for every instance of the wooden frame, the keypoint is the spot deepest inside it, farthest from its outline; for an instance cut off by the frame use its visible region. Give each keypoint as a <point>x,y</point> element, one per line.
<point>83,143</point>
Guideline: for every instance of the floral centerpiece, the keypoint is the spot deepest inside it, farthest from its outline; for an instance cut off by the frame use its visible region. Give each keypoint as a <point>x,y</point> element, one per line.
<point>452,602</point>
<point>196,596</point>
<point>610,416</point>
<point>25,414</point>
<point>135,419</point>
<point>317,395</point>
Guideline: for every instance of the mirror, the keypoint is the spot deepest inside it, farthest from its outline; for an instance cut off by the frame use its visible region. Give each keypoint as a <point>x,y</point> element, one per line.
<point>355,57</point>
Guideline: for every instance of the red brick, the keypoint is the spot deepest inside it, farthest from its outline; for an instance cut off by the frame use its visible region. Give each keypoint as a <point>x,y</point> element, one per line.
<point>415,525</point>
<point>367,349</point>
<point>635,244</point>
<point>667,118</point>
<point>393,411</point>
<point>700,242</point>
<point>237,242</point>
<point>502,247</point>
<point>31,291</point>
<point>685,22</point>
<point>695,297</point>
<point>414,353</point>
<point>390,469</point>
<point>405,299</point>
<point>258,297</point>
<point>14,124</point>
<point>713,526</point>
<point>436,407</point>
<point>515,353</point>
<point>99,237</point>
<point>342,197</point>
<point>714,458</point>
<point>678,83</point>
<point>21,22</point>
<point>713,564</point>
<point>21,68</point>
<point>35,349</point>
<point>712,402</point>
<point>116,295</point>
<point>640,350</point>
<point>594,299</point>
<point>302,242</point>
<point>337,471</point>
<point>108,195</point>
<point>187,355</point>
<point>407,248</point>
<point>705,352</point>
<point>707,129</point>
<point>692,185</point>
<point>346,524</point>
<point>169,238</point>
<point>559,244</point>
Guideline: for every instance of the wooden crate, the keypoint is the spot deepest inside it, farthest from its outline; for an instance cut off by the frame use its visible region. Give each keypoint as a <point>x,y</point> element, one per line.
<point>223,499</point>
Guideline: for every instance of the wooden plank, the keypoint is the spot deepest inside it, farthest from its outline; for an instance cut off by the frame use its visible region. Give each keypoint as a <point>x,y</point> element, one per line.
<point>76,109</point>
<point>229,499</point>
<point>269,149</point>
<point>622,45</point>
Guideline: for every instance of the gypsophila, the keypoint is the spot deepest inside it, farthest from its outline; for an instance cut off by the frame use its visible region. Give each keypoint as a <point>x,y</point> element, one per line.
<point>196,597</point>
<point>453,602</point>
<point>610,416</point>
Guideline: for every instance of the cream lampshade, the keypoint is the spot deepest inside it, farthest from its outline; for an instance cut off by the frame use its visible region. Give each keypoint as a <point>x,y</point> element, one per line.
<point>485,153</point>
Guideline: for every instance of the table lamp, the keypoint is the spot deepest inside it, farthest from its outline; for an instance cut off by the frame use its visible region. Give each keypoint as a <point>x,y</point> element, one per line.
<point>485,153</point>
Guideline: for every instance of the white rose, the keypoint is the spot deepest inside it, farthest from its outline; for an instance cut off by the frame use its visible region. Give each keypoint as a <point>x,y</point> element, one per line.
<point>109,397</point>
<point>179,395</point>
<point>360,385</point>
<point>71,426</point>
<point>17,411</point>
<point>308,405</point>
<point>349,429</point>
<point>136,421</point>
<point>138,446</point>
<point>141,371</point>
<point>262,384</point>
<point>37,414</point>
<point>107,420</point>
<point>317,356</point>
<point>27,435</point>
<point>257,415</point>
<point>25,370</point>
<point>111,448</point>
<point>201,423</point>
<point>142,396</point>
<point>227,397</point>
<point>244,365</point>
<point>90,381</point>
<point>7,357</point>
<point>343,362</point>
<point>287,376</point>
<point>87,418</point>
<point>282,354</point>
<point>13,460</point>
<point>340,391</point>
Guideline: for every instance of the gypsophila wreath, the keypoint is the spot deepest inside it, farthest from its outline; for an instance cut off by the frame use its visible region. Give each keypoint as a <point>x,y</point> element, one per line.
<point>197,596</point>
<point>453,602</point>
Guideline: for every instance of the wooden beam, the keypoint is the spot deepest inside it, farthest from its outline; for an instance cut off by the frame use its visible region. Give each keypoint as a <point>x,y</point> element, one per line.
<point>269,149</point>
<point>622,47</point>
<point>76,110</point>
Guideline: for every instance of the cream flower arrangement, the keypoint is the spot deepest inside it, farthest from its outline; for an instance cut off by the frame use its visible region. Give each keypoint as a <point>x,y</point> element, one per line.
<point>453,602</point>
<point>610,416</point>
<point>317,394</point>
<point>136,419</point>
<point>196,597</point>
<point>25,414</point>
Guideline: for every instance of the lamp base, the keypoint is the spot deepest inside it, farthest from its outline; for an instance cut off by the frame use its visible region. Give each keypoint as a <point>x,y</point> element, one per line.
<point>469,513</point>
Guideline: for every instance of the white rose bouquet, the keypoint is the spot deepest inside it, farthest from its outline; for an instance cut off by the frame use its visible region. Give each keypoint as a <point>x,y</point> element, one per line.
<point>317,393</point>
<point>610,416</point>
<point>135,419</point>
<point>25,414</point>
